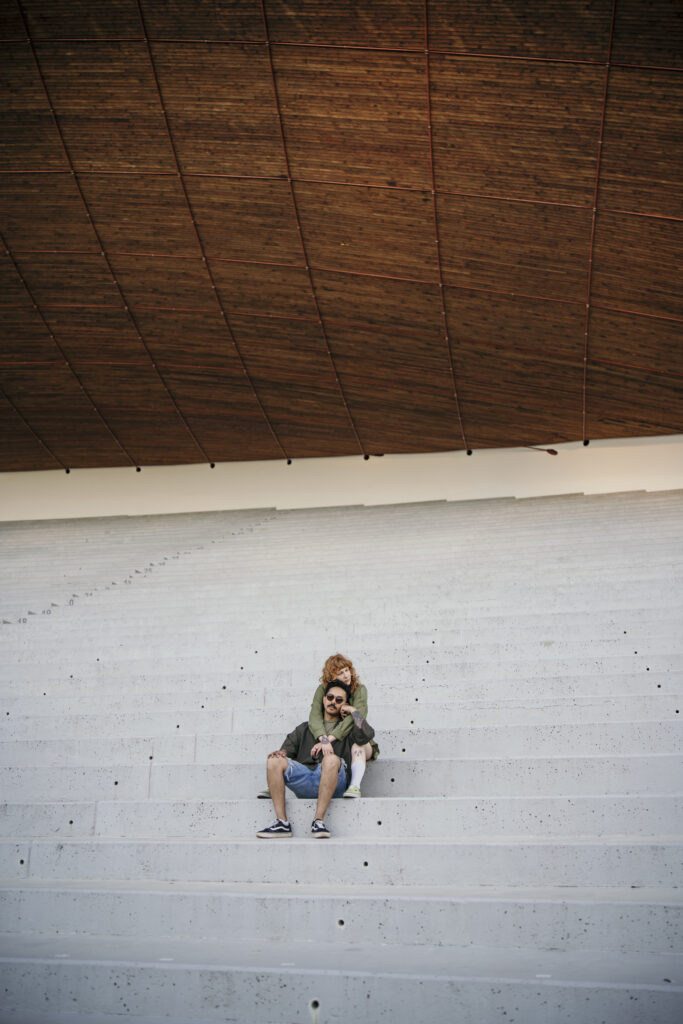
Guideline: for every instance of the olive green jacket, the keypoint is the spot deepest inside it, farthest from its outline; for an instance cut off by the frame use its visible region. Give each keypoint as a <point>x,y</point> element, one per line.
<point>359,700</point>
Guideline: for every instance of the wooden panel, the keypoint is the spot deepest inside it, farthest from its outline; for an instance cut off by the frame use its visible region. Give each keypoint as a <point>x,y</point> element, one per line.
<point>141,213</point>
<point>642,341</point>
<point>189,340</point>
<point>28,138</point>
<point>141,413</point>
<point>221,107</point>
<point>649,33</point>
<point>290,367</point>
<point>514,398</point>
<point>637,265</point>
<point>106,101</point>
<point>65,279</point>
<point>82,19</point>
<point>96,336</point>
<point>379,302</point>
<point>55,406</point>
<point>642,153</point>
<point>246,220</point>
<point>529,326</point>
<point>390,23</point>
<point>12,291</point>
<point>368,230</point>
<point>560,29</point>
<point>24,338</point>
<point>11,25</point>
<point>165,283</point>
<point>624,402</point>
<point>529,248</point>
<point>43,211</point>
<point>399,388</point>
<point>21,450</point>
<point>224,415</point>
<point>204,19</point>
<point>264,290</point>
<point>354,116</point>
<point>499,128</point>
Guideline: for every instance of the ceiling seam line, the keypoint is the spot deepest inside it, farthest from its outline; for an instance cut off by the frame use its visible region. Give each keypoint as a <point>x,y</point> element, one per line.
<point>589,284</point>
<point>437,241</point>
<point>98,239</point>
<point>198,237</point>
<point>63,354</point>
<point>295,208</point>
<point>31,430</point>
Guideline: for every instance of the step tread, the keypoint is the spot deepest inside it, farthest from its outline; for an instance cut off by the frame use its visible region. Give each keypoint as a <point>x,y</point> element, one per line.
<point>532,966</point>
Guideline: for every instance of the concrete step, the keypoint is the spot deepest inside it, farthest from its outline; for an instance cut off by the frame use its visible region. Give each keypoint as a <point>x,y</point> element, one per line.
<point>497,861</point>
<point>590,739</point>
<point>657,706</point>
<point>372,817</point>
<point>236,691</point>
<point>150,980</point>
<point>439,776</point>
<point>622,920</point>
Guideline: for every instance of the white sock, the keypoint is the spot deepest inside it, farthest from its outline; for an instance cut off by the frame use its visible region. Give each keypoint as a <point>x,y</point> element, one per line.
<point>357,771</point>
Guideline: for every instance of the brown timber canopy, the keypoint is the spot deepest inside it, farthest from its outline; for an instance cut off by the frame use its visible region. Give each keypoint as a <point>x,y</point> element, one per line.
<point>266,230</point>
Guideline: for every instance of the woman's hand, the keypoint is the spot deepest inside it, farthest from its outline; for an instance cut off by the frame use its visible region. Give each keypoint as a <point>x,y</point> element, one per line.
<point>347,709</point>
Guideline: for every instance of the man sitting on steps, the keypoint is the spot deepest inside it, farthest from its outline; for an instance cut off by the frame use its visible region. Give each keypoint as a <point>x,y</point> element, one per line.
<point>312,768</point>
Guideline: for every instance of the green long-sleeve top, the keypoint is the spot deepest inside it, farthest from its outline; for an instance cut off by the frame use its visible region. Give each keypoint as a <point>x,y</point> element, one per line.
<point>359,700</point>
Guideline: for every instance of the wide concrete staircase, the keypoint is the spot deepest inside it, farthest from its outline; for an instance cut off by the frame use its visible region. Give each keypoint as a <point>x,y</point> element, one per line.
<point>517,853</point>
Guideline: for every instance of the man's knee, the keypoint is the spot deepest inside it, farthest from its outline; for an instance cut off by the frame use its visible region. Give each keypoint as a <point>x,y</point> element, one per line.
<point>277,764</point>
<point>331,763</point>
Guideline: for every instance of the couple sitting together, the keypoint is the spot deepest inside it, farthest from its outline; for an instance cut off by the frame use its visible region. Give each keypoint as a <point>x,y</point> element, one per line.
<point>324,757</point>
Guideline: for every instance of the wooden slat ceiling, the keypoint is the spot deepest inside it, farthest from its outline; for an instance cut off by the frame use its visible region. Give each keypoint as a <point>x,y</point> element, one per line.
<point>268,230</point>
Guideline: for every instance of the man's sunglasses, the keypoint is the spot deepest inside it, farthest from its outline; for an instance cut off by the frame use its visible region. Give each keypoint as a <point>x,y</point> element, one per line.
<point>335,700</point>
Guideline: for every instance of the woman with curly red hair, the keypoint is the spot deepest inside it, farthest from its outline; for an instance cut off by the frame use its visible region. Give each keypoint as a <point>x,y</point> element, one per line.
<point>341,669</point>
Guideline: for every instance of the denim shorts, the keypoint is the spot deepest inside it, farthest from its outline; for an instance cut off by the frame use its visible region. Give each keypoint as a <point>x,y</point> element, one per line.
<point>304,781</point>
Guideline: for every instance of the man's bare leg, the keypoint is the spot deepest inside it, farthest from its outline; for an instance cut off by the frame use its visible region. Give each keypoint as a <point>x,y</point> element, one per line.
<point>276,768</point>
<point>328,783</point>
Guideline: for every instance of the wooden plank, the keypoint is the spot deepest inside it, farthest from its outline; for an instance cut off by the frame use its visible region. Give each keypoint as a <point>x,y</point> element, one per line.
<point>642,152</point>
<point>141,213</point>
<point>291,370</point>
<point>550,29</point>
<point>245,219</point>
<point>354,116</point>
<point>526,248</point>
<point>368,230</point>
<point>640,340</point>
<point>153,281</point>
<point>512,398</point>
<point>219,19</point>
<point>379,302</point>
<point>43,211</point>
<point>67,279</point>
<point>264,290</point>
<point>221,108</point>
<point>55,406</point>
<point>500,130</point>
<point>624,402</point>
<point>83,19</point>
<point>399,389</point>
<point>106,102</point>
<point>387,23</point>
<point>28,138</point>
<point>24,338</point>
<point>637,265</point>
<point>650,33</point>
<point>224,414</point>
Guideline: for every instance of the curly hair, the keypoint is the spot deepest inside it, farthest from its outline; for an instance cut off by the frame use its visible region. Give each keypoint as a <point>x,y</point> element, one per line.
<point>332,666</point>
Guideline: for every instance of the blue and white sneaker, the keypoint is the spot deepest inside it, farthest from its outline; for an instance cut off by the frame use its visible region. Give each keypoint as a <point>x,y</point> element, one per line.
<point>277,829</point>
<point>319,829</point>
